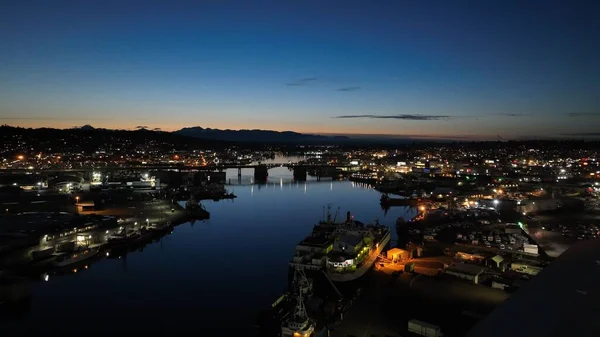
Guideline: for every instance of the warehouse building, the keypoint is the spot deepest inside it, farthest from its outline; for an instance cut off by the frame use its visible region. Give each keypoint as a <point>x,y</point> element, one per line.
<point>469,272</point>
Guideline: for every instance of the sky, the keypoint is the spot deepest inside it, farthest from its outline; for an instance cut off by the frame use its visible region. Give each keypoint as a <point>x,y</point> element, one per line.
<point>423,69</point>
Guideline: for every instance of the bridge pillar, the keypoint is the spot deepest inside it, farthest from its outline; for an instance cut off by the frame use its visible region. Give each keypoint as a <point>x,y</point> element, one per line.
<point>299,173</point>
<point>239,172</point>
<point>261,172</point>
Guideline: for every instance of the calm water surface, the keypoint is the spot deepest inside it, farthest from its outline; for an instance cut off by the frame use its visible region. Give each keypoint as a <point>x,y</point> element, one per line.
<point>205,275</point>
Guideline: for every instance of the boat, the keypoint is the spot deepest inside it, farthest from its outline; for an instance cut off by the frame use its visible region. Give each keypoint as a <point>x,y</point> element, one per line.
<point>123,237</point>
<point>120,242</point>
<point>386,200</point>
<point>298,323</point>
<point>196,210</point>
<point>76,256</point>
<point>159,228</point>
<point>355,250</point>
<point>345,250</point>
<point>368,177</point>
<point>288,316</point>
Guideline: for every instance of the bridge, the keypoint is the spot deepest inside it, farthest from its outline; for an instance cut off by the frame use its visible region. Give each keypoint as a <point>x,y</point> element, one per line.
<point>260,170</point>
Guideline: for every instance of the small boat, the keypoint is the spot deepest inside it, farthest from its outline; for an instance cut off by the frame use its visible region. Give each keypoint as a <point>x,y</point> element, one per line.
<point>386,200</point>
<point>123,237</point>
<point>75,256</point>
<point>159,227</point>
<point>298,323</point>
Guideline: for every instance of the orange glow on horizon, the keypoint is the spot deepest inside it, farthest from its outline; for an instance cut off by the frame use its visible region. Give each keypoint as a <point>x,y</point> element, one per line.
<point>306,128</point>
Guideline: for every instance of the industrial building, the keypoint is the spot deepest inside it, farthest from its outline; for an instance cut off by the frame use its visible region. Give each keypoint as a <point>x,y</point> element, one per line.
<point>398,255</point>
<point>469,272</point>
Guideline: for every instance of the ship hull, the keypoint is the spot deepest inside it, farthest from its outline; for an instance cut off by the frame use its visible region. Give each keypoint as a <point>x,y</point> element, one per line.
<point>87,254</point>
<point>368,263</point>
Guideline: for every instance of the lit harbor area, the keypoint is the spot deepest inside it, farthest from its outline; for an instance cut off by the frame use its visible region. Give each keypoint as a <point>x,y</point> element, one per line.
<point>288,168</point>
<point>395,252</point>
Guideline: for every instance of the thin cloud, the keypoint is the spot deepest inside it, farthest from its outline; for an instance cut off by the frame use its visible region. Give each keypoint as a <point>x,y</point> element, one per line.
<point>402,117</point>
<point>302,81</point>
<point>514,114</point>
<point>141,127</point>
<point>582,114</point>
<point>349,89</point>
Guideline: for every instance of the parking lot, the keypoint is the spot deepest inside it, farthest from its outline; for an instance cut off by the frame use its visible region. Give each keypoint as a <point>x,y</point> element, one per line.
<point>556,232</point>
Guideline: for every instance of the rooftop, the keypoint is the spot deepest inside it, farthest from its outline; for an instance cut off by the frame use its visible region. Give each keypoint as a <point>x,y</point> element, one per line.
<point>465,268</point>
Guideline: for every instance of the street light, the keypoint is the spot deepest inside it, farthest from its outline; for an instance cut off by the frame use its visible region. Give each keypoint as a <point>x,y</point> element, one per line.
<point>77,199</point>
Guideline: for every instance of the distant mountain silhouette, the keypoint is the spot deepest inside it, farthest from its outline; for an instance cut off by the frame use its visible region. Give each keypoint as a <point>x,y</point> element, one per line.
<point>90,139</point>
<point>87,127</point>
<point>255,135</point>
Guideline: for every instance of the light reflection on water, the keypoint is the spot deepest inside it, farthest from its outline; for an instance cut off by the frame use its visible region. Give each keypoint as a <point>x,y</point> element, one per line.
<point>205,275</point>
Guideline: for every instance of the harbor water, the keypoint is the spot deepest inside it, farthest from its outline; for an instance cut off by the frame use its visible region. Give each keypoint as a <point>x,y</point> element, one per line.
<point>204,277</point>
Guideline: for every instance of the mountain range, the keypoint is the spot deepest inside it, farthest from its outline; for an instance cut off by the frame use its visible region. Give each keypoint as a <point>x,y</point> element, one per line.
<point>263,136</point>
<point>197,133</point>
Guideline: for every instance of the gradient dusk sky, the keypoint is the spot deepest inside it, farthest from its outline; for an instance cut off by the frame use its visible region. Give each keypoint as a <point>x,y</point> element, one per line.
<point>459,69</point>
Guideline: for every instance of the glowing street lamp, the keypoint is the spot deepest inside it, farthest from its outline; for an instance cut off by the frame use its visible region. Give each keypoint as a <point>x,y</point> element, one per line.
<point>77,199</point>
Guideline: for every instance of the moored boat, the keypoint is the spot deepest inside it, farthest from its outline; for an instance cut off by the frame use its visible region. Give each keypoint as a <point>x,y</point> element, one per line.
<point>346,250</point>
<point>386,200</point>
<point>355,251</point>
<point>75,256</point>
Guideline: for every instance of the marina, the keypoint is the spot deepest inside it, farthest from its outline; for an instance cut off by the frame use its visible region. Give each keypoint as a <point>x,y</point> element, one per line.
<point>203,261</point>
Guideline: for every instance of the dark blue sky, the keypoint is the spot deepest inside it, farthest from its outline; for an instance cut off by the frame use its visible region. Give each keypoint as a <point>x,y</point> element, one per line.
<point>473,69</point>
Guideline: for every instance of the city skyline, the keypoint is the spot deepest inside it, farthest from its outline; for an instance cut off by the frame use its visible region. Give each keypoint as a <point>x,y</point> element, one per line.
<point>469,70</point>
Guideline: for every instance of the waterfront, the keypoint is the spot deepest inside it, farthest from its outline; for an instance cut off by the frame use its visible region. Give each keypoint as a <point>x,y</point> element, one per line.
<point>205,276</point>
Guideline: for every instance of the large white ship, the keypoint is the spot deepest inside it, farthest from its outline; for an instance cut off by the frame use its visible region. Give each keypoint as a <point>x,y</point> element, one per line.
<point>346,250</point>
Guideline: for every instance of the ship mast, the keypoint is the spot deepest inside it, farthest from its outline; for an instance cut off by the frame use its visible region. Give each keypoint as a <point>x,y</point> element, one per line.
<point>336,213</point>
<point>299,322</point>
<point>301,281</point>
